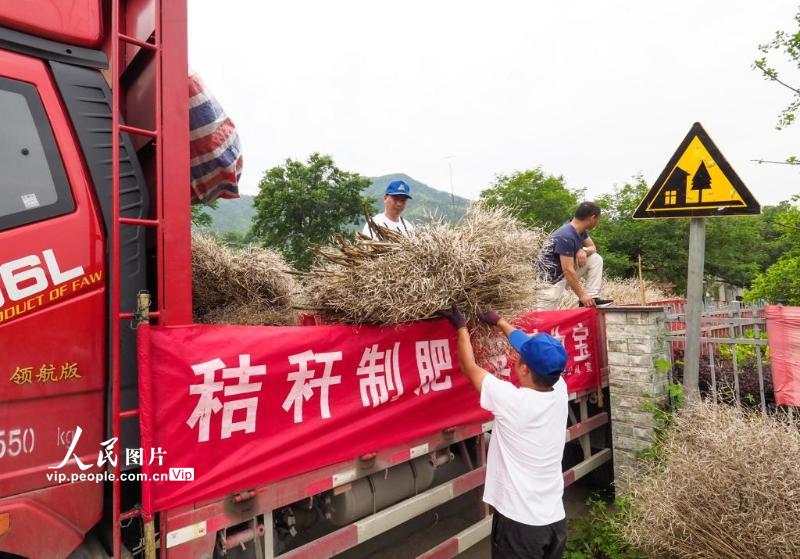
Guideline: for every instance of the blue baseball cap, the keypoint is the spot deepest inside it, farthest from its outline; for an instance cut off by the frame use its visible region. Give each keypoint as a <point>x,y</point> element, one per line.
<point>398,188</point>
<point>542,353</point>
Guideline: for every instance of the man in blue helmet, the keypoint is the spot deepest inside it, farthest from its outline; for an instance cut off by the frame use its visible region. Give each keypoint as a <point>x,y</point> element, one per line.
<point>395,197</point>
<point>524,481</point>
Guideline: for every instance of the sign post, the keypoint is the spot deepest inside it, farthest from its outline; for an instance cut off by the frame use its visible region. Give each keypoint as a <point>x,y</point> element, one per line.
<point>694,308</point>
<point>696,183</point>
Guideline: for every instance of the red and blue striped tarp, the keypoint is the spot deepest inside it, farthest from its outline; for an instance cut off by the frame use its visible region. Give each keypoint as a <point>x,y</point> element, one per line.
<point>215,151</point>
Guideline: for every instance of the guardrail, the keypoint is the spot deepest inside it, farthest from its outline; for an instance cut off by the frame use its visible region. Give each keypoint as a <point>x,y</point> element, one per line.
<point>733,341</point>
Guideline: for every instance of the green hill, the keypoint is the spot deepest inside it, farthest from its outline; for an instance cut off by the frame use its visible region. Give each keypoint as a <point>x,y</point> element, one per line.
<point>232,215</point>
<point>236,215</point>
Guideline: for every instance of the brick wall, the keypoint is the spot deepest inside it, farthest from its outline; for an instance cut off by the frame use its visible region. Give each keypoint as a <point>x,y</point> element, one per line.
<point>635,343</point>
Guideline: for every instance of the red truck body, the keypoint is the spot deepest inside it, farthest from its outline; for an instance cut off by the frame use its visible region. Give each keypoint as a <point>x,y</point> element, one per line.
<point>77,22</point>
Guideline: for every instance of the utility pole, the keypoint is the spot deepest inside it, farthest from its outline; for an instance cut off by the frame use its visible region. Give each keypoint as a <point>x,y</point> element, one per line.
<point>449,159</point>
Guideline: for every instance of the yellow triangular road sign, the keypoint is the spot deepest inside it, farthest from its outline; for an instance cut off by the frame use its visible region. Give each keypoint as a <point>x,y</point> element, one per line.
<point>697,182</point>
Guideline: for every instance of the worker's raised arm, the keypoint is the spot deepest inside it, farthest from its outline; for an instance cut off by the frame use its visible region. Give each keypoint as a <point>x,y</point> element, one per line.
<point>466,357</point>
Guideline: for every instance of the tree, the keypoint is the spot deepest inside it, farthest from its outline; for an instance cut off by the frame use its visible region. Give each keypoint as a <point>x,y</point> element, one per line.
<point>237,239</point>
<point>781,281</point>
<point>199,216</point>
<point>735,248</point>
<point>302,204</point>
<point>536,198</point>
<point>777,222</point>
<point>789,43</point>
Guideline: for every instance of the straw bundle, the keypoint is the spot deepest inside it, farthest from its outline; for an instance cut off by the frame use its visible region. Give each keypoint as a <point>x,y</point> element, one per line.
<point>240,286</point>
<point>728,488</point>
<point>486,261</point>
<point>621,291</point>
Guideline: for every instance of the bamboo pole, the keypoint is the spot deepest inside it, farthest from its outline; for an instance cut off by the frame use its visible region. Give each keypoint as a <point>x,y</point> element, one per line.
<point>641,282</point>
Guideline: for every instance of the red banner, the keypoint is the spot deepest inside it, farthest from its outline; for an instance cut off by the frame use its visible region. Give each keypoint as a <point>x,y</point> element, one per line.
<point>783,333</point>
<point>577,330</point>
<point>247,405</point>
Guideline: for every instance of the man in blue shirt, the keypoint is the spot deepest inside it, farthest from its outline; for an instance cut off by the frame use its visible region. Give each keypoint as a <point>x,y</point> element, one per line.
<point>568,256</point>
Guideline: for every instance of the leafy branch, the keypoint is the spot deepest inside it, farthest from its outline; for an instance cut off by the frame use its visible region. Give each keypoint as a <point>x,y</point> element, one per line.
<point>789,44</point>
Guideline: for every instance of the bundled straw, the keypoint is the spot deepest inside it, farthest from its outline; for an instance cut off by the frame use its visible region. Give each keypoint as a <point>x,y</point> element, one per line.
<point>729,488</point>
<point>621,291</point>
<point>240,286</point>
<point>486,261</point>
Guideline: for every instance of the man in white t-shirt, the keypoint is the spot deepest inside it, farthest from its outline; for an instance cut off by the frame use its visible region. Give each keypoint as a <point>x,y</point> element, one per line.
<point>524,480</point>
<point>395,197</point>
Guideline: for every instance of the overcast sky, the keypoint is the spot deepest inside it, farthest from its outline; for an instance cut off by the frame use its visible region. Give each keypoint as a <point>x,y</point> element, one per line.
<point>594,91</point>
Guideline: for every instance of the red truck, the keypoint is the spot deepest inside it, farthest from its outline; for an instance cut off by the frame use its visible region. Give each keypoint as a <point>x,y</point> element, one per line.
<point>94,210</point>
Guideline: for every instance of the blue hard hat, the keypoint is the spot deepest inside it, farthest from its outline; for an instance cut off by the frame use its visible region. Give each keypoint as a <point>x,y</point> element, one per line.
<point>543,354</point>
<point>398,188</point>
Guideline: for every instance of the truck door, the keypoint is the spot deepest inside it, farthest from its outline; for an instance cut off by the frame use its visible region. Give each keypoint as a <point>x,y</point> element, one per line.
<point>52,315</point>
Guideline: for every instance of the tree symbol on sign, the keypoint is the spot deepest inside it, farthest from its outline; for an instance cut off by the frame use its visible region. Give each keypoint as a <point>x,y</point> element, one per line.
<point>701,181</point>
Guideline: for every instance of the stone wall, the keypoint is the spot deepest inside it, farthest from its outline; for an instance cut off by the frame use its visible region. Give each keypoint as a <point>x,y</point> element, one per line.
<point>635,343</point>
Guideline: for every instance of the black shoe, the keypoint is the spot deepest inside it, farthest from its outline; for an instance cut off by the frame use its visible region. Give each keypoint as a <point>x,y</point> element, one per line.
<point>598,302</point>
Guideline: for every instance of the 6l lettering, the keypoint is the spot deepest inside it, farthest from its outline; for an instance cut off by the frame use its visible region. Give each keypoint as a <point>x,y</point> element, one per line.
<point>16,275</point>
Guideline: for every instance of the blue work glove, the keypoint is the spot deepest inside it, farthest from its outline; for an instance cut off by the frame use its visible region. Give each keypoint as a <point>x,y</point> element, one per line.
<point>455,316</point>
<point>489,316</point>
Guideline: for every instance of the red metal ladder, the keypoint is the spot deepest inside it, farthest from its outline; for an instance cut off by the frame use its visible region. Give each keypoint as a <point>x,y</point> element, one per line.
<point>120,39</point>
